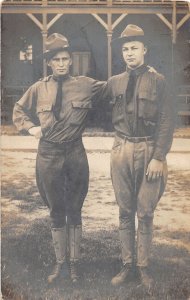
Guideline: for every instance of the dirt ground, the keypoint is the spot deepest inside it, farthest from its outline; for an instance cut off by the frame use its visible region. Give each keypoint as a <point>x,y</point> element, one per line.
<point>27,252</point>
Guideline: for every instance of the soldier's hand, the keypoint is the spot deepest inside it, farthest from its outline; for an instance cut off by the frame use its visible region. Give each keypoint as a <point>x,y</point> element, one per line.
<point>36,131</point>
<point>151,69</point>
<point>155,169</point>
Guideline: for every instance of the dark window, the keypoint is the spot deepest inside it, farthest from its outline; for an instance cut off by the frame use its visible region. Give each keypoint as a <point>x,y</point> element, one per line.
<point>81,63</point>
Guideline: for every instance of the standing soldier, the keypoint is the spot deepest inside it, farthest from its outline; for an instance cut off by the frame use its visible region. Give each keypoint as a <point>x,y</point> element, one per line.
<point>55,110</point>
<point>143,121</point>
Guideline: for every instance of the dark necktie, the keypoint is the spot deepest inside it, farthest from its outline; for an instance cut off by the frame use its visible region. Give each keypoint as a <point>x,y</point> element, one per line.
<point>59,97</point>
<point>131,87</point>
<point>129,100</point>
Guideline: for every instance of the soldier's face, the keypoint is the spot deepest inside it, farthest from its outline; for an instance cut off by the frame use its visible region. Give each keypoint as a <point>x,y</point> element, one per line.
<point>133,54</point>
<point>60,63</point>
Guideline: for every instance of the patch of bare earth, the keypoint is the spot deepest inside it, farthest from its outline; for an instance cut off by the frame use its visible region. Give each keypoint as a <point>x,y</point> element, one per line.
<point>27,252</point>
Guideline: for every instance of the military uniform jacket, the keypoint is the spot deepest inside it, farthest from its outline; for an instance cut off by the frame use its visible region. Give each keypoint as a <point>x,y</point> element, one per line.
<point>36,107</point>
<point>149,113</point>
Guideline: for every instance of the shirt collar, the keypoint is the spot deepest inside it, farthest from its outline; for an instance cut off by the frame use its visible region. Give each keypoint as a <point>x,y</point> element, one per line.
<point>60,78</point>
<point>138,70</point>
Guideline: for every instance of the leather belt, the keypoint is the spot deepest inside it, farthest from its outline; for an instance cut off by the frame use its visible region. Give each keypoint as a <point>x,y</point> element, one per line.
<point>134,139</point>
<point>62,143</point>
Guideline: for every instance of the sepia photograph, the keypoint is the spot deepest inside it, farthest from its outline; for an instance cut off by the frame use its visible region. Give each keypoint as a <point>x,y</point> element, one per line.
<point>95,135</point>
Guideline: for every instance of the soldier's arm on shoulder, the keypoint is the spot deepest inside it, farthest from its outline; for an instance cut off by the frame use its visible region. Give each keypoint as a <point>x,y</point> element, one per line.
<point>24,110</point>
<point>151,69</point>
<point>99,91</point>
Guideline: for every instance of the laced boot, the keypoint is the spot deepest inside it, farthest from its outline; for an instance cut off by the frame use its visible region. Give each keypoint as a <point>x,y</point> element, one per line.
<point>58,270</point>
<point>74,272</point>
<point>59,243</point>
<point>125,275</point>
<point>145,278</point>
<point>75,234</point>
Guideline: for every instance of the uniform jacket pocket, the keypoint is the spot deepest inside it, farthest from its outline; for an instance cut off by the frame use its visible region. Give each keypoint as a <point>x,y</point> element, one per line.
<point>148,106</point>
<point>148,102</point>
<point>46,116</point>
<point>80,110</point>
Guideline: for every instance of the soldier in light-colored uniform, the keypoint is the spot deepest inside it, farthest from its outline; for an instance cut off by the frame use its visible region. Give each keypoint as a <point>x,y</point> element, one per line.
<point>143,120</point>
<point>55,110</point>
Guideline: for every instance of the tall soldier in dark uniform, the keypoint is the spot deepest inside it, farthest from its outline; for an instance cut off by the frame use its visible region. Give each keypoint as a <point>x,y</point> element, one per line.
<point>55,110</point>
<point>143,121</point>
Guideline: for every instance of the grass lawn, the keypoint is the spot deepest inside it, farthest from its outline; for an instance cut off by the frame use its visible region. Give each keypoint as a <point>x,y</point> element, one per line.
<point>27,251</point>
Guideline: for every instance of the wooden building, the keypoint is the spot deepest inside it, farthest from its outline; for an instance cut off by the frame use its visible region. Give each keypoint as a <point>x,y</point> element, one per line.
<point>89,26</point>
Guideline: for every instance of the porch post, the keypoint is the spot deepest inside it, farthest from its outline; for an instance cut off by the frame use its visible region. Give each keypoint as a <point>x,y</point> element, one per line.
<point>109,38</point>
<point>174,36</point>
<point>44,37</point>
<point>174,25</point>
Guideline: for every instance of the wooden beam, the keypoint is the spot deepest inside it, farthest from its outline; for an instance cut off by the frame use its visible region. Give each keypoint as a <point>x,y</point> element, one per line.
<point>120,9</point>
<point>53,20</point>
<point>183,20</point>
<point>100,21</point>
<point>35,20</point>
<point>118,20</point>
<point>174,23</point>
<point>166,22</point>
